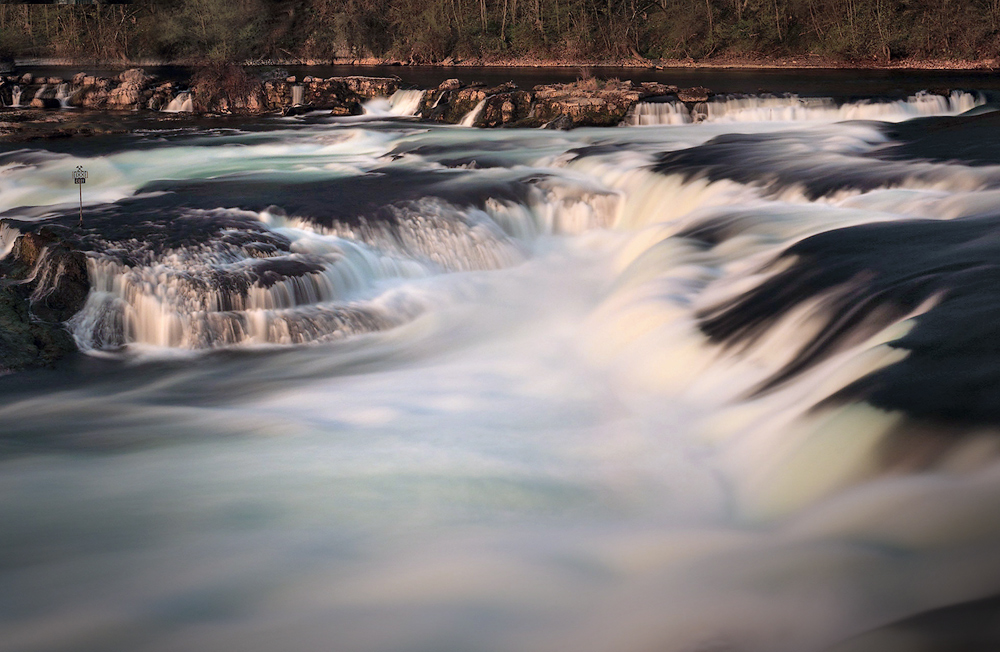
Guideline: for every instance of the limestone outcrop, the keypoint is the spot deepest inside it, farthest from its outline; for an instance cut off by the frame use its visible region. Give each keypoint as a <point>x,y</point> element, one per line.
<point>591,103</point>
<point>230,89</point>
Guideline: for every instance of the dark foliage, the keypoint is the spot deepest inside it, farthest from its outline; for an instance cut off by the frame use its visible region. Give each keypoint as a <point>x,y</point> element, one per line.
<point>432,30</point>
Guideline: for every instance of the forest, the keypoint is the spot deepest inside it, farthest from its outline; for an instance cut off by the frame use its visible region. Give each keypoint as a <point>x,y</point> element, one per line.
<point>429,31</point>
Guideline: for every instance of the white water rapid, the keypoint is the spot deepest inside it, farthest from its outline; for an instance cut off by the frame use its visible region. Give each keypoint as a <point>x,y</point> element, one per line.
<point>388,386</point>
<point>795,108</point>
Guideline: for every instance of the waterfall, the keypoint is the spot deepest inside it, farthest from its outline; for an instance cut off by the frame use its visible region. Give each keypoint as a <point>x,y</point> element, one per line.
<point>15,96</point>
<point>402,103</point>
<point>792,108</point>
<point>405,102</point>
<point>63,94</point>
<point>470,118</point>
<point>297,93</point>
<point>40,93</point>
<point>181,103</point>
<point>657,113</point>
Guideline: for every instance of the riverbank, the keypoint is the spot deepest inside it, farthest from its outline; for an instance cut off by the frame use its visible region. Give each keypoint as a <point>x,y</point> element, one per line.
<point>802,62</point>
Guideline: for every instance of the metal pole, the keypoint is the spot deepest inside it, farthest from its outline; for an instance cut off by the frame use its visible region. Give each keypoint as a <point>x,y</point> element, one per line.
<point>81,203</point>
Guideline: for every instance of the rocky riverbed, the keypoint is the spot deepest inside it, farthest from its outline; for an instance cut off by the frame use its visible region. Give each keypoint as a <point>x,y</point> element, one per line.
<point>31,105</point>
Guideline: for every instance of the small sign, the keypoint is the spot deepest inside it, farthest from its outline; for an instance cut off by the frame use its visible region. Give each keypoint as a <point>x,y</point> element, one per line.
<point>79,175</point>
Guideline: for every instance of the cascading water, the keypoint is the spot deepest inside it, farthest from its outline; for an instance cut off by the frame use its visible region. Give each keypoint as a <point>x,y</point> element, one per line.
<point>794,108</point>
<point>183,102</point>
<point>402,103</point>
<point>15,96</point>
<point>63,95</point>
<point>408,387</point>
<point>298,92</point>
<point>470,118</point>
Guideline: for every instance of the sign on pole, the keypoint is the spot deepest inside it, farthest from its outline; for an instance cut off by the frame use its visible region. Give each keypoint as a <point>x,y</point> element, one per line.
<point>80,178</point>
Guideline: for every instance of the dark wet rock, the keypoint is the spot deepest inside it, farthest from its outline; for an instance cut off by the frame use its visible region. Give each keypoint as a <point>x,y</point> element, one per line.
<point>266,272</point>
<point>45,103</point>
<point>969,138</point>
<point>298,109</point>
<point>44,283</point>
<point>350,108</point>
<point>56,273</point>
<point>563,122</point>
<point>24,343</point>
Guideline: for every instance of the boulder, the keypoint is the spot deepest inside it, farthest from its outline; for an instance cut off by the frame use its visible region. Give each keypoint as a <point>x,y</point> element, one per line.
<point>59,275</point>
<point>27,78</point>
<point>79,79</point>
<point>449,85</point>
<point>136,76</point>
<point>695,94</point>
<point>45,103</point>
<point>126,96</point>
<point>591,102</point>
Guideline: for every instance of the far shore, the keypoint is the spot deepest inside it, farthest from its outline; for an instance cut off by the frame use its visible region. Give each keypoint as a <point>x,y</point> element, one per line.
<point>804,62</point>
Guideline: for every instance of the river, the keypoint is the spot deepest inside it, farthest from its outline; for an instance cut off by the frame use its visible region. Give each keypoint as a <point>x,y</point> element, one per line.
<point>366,384</point>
